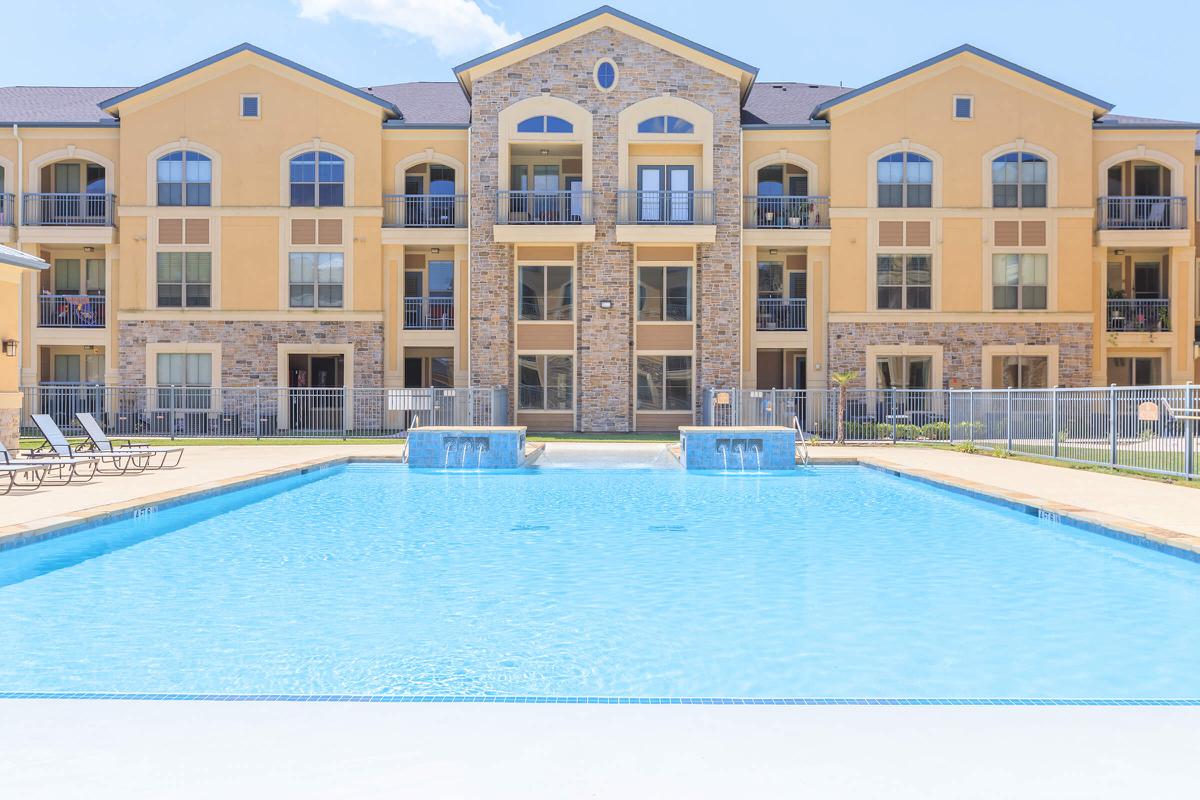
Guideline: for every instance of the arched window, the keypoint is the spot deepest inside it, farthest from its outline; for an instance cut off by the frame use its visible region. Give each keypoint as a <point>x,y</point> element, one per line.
<point>1019,181</point>
<point>905,181</point>
<point>185,179</point>
<point>545,124</point>
<point>318,179</point>
<point>666,124</point>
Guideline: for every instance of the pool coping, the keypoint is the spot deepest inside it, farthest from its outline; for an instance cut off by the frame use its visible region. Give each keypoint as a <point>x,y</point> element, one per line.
<point>1119,528</point>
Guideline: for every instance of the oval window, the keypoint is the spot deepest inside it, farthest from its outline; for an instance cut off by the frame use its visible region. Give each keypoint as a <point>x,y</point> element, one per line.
<point>606,75</point>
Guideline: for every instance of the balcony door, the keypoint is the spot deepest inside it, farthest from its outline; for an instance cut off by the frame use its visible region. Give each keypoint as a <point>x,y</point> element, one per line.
<point>665,193</point>
<point>1147,280</point>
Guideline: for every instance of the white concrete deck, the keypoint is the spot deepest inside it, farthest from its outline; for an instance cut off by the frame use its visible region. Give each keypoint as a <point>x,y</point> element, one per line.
<point>131,749</point>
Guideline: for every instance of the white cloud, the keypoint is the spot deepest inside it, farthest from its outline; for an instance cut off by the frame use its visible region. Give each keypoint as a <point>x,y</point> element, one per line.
<point>454,27</point>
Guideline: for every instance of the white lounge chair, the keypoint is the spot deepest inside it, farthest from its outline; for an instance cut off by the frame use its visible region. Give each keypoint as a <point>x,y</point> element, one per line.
<point>98,442</point>
<point>56,446</point>
<point>37,471</point>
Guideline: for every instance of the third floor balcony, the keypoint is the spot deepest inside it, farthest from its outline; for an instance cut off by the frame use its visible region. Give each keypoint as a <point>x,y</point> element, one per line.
<point>1141,213</point>
<point>783,212</point>
<point>425,211</point>
<point>665,207</point>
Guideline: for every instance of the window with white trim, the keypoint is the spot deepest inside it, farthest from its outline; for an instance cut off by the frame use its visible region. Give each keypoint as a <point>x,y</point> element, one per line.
<point>964,107</point>
<point>184,380</point>
<point>905,180</point>
<point>1019,180</point>
<point>250,106</point>
<point>184,279</point>
<point>316,280</point>
<point>184,179</point>
<point>903,282</point>
<point>1020,372</point>
<point>317,179</point>
<point>1020,281</point>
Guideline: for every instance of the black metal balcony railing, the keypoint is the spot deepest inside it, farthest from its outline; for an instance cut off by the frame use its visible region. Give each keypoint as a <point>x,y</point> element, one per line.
<point>637,207</point>
<point>782,314</point>
<point>8,205</point>
<point>68,208</point>
<point>71,310</point>
<point>428,313</point>
<point>1139,316</point>
<point>1141,213</point>
<point>787,212</point>
<point>567,207</point>
<point>425,211</point>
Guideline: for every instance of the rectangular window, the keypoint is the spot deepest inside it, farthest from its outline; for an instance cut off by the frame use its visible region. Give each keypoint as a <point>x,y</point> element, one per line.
<point>904,372</point>
<point>964,108</point>
<point>664,294</point>
<point>1020,372</point>
<point>1019,281</point>
<point>184,280</point>
<point>664,383</point>
<point>545,383</point>
<point>250,106</point>
<point>903,282</point>
<point>546,293</point>
<point>184,380</point>
<point>315,280</point>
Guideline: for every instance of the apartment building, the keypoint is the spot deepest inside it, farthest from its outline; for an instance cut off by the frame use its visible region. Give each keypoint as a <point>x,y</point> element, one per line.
<point>605,218</point>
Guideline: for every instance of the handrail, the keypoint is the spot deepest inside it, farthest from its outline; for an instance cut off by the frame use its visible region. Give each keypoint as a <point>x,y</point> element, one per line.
<point>803,439</point>
<point>416,420</point>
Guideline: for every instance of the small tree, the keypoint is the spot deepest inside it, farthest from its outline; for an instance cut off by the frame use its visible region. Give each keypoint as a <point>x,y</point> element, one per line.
<point>843,380</point>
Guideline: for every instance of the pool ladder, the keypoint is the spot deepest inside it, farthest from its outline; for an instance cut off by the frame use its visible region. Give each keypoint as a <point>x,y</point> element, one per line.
<point>802,438</point>
<point>416,420</point>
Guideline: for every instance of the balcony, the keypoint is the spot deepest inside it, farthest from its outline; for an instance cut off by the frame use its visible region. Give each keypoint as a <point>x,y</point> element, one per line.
<point>428,313</point>
<point>425,211</point>
<point>71,310</point>
<point>1138,316</point>
<point>786,212</point>
<point>635,207</point>
<point>782,314</point>
<point>565,207</point>
<point>68,208</point>
<point>8,206</point>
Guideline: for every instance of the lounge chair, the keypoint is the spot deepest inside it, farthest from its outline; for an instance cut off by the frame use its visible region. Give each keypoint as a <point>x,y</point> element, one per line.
<point>62,471</point>
<point>56,446</point>
<point>98,442</point>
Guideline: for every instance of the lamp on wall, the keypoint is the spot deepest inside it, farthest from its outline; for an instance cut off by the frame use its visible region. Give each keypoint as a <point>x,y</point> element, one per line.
<point>10,348</point>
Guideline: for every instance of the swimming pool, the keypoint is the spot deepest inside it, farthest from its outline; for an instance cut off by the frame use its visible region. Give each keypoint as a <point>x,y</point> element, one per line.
<point>384,582</point>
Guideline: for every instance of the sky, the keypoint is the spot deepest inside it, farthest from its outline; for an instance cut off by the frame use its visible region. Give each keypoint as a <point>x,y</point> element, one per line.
<point>849,42</point>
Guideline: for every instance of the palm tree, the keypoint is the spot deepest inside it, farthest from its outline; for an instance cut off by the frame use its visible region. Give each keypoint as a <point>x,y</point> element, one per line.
<point>843,380</point>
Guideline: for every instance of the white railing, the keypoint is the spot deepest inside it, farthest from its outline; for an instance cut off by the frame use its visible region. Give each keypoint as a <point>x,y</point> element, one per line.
<point>1141,213</point>
<point>68,208</point>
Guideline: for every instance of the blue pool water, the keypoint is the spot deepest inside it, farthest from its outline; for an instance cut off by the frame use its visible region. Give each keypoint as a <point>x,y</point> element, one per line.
<point>836,582</point>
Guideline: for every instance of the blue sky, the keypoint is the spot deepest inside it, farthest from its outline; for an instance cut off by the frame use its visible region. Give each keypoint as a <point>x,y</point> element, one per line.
<point>366,42</point>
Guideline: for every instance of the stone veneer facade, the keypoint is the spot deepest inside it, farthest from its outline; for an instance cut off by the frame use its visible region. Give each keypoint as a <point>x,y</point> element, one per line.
<point>605,268</point>
<point>249,353</point>
<point>962,343</point>
<point>10,428</point>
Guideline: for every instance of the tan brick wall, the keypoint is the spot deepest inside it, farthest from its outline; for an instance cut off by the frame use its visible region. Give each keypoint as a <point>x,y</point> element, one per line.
<point>962,346</point>
<point>249,352</point>
<point>604,355</point>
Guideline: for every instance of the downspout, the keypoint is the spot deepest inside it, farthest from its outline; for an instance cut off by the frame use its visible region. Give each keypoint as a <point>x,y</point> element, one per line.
<point>19,198</point>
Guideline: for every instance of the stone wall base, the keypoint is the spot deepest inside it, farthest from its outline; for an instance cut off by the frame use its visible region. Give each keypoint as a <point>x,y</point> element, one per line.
<point>962,346</point>
<point>10,430</point>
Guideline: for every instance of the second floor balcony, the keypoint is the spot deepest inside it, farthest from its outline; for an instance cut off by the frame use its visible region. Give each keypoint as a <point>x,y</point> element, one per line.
<point>782,314</point>
<point>665,207</point>
<point>72,310</point>
<point>782,212</point>
<point>425,211</point>
<point>1142,315</point>
<point>1151,213</point>
<point>544,207</point>
<point>8,207</point>
<point>68,208</point>
<point>429,313</point>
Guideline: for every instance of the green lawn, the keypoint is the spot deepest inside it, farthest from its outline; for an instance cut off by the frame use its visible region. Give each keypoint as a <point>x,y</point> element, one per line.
<point>664,438</point>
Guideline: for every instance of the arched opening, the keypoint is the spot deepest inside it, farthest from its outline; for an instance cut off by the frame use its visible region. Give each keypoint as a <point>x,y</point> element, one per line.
<point>429,199</point>
<point>71,191</point>
<point>1138,196</point>
<point>782,200</point>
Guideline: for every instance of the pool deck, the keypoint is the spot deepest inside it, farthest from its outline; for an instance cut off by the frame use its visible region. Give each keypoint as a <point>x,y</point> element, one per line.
<point>139,749</point>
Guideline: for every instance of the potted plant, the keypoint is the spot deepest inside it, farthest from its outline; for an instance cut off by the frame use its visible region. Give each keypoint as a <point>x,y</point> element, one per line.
<point>1164,322</point>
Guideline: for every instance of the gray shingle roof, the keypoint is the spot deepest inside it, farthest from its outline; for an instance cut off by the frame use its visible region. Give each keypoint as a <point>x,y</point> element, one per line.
<point>1130,121</point>
<point>786,103</point>
<point>56,104</point>
<point>426,102</point>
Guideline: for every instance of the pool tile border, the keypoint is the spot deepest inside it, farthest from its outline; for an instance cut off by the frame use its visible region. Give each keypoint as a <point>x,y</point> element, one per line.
<point>611,701</point>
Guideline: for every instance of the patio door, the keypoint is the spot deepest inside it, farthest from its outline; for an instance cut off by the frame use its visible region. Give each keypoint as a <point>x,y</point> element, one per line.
<point>546,200</point>
<point>665,193</point>
<point>1147,280</point>
<point>317,394</point>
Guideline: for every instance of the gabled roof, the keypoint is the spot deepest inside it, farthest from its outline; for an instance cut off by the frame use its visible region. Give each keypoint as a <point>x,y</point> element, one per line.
<point>462,69</point>
<point>56,105</point>
<point>786,104</point>
<point>1100,106</point>
<point>246,47</point>
<point>16,258</point>
<point>425,103</point>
